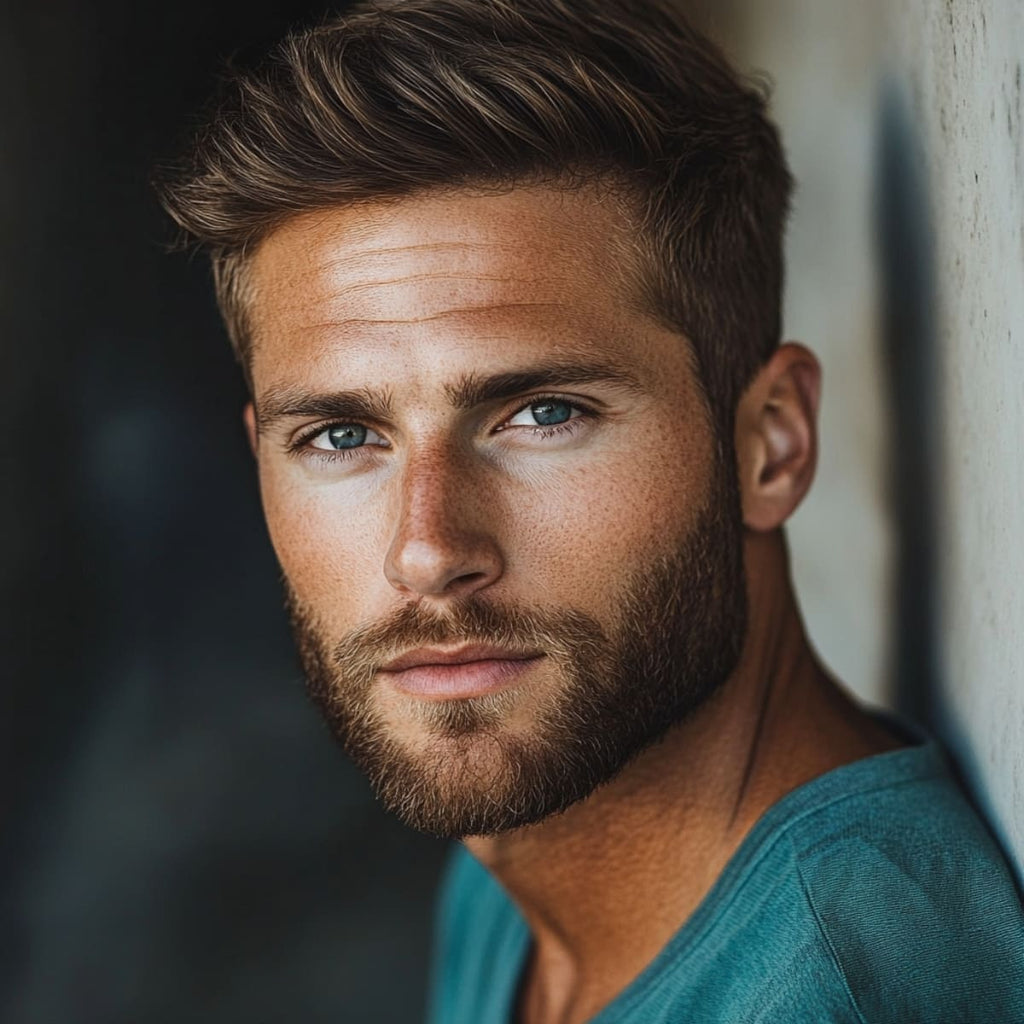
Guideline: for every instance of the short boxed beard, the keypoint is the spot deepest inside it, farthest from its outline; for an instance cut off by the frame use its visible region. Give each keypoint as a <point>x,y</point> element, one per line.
<point>676,641</point>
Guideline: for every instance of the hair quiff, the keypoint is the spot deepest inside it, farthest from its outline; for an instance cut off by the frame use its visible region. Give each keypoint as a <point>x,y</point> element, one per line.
<point>402,96</point>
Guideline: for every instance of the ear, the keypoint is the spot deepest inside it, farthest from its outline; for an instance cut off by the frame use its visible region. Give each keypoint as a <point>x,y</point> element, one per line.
<point>777,436</point>
<point>249,418</point>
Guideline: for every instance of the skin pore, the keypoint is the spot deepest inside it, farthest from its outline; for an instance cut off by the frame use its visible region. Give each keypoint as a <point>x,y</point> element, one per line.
<point>391,318</point>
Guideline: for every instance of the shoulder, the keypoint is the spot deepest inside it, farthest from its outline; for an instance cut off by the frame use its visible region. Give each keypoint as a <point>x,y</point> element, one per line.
<point>914,900</point>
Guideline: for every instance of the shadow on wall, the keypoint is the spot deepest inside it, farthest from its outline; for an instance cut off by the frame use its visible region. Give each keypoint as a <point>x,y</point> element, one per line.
<point>912,378</point>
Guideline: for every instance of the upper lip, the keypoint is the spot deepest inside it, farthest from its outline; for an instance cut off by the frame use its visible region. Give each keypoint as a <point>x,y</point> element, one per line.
<point>455,656</point>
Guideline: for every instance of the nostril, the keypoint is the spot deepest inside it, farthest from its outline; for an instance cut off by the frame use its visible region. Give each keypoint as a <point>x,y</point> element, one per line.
<point>465,580</point>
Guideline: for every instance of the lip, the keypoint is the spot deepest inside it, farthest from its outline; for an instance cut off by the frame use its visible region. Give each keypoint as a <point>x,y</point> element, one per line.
<point>456,656</point>
<point>469,671</point>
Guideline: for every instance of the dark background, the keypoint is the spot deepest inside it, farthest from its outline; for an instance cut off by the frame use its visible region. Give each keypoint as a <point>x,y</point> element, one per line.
<point>182,839</point>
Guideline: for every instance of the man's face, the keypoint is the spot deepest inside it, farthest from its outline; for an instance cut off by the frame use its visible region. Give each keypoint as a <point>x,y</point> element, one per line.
<point>512,558</point>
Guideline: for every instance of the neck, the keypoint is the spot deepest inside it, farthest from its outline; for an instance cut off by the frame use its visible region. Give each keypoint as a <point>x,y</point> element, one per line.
<point>604,885</point>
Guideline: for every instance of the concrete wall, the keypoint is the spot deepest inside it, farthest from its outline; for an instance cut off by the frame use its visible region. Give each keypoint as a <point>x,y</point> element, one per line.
<point>906,263</point>
<point>955,69</point>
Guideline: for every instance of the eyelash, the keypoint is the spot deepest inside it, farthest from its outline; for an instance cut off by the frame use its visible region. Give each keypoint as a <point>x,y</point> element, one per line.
<point>300,446</point>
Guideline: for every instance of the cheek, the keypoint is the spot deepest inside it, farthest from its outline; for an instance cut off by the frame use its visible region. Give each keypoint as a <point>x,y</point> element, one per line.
<point>577,535</point>
<point>328,543</point>
<point>568,534</point>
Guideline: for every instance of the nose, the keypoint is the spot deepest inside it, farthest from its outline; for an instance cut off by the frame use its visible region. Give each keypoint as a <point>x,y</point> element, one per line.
<point>443,544</point>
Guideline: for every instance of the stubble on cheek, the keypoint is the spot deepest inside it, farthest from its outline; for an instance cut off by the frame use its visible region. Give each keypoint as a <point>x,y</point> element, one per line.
<point>490,764</point>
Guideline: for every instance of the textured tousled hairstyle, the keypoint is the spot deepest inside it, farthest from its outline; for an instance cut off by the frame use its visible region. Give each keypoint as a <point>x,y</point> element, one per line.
<point>402,96</point>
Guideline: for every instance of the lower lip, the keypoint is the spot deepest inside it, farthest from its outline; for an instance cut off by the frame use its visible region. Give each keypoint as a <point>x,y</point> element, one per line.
<point>470,679</point>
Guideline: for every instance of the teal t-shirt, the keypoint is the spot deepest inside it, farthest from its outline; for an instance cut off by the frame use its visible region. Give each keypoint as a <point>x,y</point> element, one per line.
<point>871,894</point>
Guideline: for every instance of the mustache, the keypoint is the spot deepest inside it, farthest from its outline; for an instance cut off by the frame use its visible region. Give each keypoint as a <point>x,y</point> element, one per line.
<point>563,633</point>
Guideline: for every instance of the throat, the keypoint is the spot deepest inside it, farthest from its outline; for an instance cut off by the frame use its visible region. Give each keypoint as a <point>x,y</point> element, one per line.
<point>605,885</point>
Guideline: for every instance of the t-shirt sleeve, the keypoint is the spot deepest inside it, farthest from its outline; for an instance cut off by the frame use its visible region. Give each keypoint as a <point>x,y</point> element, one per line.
<point>920,913</point>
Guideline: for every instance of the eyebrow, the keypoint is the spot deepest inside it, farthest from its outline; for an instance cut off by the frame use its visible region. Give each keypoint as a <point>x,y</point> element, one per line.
<point>468,391</point>
<point>473,389</point>
<point>288,402</point>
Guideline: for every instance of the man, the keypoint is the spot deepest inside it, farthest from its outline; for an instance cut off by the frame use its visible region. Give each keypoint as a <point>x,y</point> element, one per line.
<point>504,278</point>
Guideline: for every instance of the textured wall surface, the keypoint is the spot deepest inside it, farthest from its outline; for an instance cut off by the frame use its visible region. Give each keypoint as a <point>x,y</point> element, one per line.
<point>956,74</point>
<point>903,124</point>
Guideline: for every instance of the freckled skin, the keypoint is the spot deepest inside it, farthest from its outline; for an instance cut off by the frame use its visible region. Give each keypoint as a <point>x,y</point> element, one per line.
<point>406,297</point>
<point>408,302</point>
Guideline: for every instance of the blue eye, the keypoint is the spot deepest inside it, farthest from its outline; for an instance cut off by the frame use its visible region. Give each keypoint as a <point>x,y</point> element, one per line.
<point>547,412</point>
<point>345,436</point>
<point>350,435</point>
<point>550,412</point>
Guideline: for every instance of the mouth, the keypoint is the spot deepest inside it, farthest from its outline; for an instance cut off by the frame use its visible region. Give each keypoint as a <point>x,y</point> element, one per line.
<point>469,671</point>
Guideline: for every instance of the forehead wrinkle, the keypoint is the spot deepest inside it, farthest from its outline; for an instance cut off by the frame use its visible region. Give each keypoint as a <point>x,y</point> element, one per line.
<point>599,283</point>
<point>336,294</point>
<point>441,275</point>
<point>360,256</point>
<point>464,311</point>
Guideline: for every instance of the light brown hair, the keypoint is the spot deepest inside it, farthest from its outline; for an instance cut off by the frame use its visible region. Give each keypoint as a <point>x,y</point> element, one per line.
<point>399,97</point>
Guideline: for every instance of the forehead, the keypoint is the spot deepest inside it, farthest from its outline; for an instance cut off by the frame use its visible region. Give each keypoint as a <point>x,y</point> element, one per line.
<point>437,272</point>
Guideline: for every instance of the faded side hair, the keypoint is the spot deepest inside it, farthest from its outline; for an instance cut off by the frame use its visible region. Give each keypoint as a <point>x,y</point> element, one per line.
<point>400,97</point>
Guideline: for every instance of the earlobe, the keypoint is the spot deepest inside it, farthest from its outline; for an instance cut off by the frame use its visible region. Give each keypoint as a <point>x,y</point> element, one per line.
<point>249,419</point>
<point>776,437</point>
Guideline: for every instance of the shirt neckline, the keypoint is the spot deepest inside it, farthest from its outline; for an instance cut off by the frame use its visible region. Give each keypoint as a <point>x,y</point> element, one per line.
<point>922,757</point>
